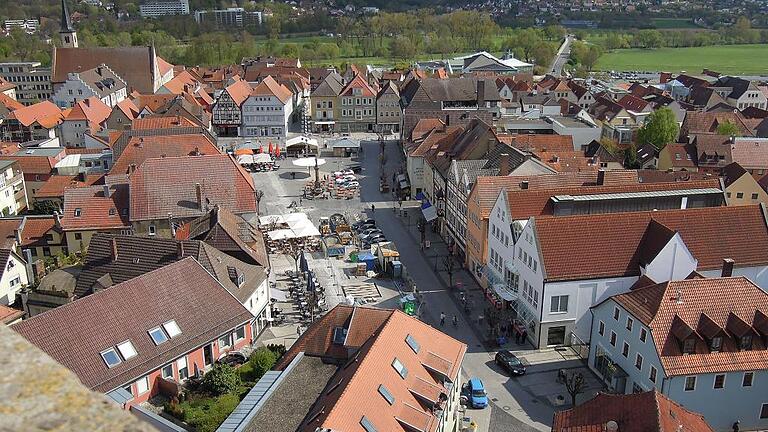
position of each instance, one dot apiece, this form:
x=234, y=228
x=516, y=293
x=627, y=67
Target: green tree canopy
x=728, y=129
x=660, y=129
x=221, y=379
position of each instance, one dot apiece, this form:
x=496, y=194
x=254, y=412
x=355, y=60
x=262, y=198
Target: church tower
x=67, y=33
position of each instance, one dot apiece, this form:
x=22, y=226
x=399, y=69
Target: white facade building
x=267, y=111
x=156, y=8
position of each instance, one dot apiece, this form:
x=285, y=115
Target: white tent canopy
x=302, y=141
x=309, y=162
x=299, y=225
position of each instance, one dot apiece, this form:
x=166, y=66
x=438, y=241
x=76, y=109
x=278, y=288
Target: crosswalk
x=362, y=291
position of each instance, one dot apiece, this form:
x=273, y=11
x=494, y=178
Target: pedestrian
x=298, y=330
x=517, y=337
x=736, y=426
x=524, y=336
x=300, y=201
x=442, y=319
x=455, y=321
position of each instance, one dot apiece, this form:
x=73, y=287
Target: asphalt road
x=561, y=58
x=516, y=409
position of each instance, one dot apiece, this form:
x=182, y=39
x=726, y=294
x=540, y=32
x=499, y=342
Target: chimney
x=17, y=234
x=81, y=176
x=57, y=217
x=733, y=139
x=447, y=120
x=600, y=177
x=199, y=196
x=98, y=71
x=727, y=267
x=107, y=191
x=114, y=249
x=524, y=184
x=480, y=92
x=180, y=249
x=131, y=168
x=555, y=159
x=504, y=166
x=197, y=151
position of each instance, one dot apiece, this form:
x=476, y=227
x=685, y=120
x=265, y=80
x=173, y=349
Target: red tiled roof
x=75, y=334
x=167, y=186
x=44, y=111
x=633, y=103
x=608, y=244
x=650, y=411
x=269, y=87
x=161, y=122
x=10, y=103
x=8, y=227
x=163, y=65
x=153, y=102
x=8, y=314
x=542, y=142
x=128, y=108
x=425, y=125
x=567, y=161
x=526, y=203
x=239, y=91
x=29, y=164
x=142, y=148
x=750, y=153
x=96, y=210
x=92, y=110
x=718, y=300
x=35, y=229
x=687, y=153
x=358, y=82
x=55, y=185
x=181, y=83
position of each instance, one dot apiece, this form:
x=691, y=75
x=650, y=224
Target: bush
x=221, y=379
x=173, y=408
x=278, y=349
x=206, y=415
x=262, y=360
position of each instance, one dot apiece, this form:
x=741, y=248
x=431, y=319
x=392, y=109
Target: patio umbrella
x=277, y=151
x=310, y=282
x=243, y=151
x=270, y=147
x=303, y=266
x=261, y=148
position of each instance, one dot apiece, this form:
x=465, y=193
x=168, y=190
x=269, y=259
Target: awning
x=278, y=295
x=504, y=292
x=429, y=212
x=325, y=122
x=420, y=196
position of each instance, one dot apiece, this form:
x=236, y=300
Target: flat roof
x=6, y=163
x=40, y=151
x=631, y=195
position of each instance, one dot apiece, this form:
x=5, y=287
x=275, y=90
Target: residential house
x=155, y=334
x=52, y=190
x=267, y=110
x=94, y=209
x=357, y=106
x=13, y=273
x=741, y=188
x=100, y=82
x=13, y=193
x=701, y=342
x=113, y=259
x=33, y=122
x=388, y=110
x=325, y=109
x=87, y=117
x=427, y=135
x=372, y=369
x=122, y=115
x=706, y=123
x=41, y=236
x=617, y=123
x=513, y=208
x=648, y=411
x=36, y=165
x=584, y=97
x=557, y=288
x=167, y=192
x=678, y=157
x=743, y=93
x=705, y=98
x=455, y=101
x=227, y=111
x=141, y=148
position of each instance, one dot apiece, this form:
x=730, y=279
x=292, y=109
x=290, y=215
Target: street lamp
x=259, y=196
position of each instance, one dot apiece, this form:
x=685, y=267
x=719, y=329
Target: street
x=561, y=58
x=514, y=406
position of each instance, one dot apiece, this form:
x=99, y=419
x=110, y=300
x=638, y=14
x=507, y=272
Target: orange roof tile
x=716, y=299
x=239, y=91
x=140, y=149
x=37, y=112
x=270, y=87
x=35, y=229
x=9, y=314
x=87, y=208
x=10, y=103
x=161, y=122
x=92, y=110
x=55, y=185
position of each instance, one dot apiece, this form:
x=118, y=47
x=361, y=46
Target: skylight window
x=110, y=357
x=400, y=368
x=172, y=328
x=387, y=395
x=411, y=341
x=158, y=335
x=367, y=425
x=126, y=350
x=78, y=212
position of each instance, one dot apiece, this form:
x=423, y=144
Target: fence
x=580, y=347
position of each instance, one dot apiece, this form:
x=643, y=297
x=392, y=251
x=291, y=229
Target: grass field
x=732, y=59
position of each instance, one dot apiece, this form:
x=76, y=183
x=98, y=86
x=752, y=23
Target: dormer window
x=745, y=343
x=78, y=212
x=689, y=346
x=716, y=343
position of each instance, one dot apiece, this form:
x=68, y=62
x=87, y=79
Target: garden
x=206, y=404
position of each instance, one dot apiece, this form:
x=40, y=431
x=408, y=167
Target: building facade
x=156, y=8
x=33, y=82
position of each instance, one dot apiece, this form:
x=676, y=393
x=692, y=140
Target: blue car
x=477, y=396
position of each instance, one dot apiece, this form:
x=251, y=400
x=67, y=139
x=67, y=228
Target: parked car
x=348, y=172
x=475, y=392
x=510, y=362
x=356, y=168
x=350, y=177
x=351, y=185
x=233, y=358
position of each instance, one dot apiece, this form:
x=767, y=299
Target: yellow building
x=741, y=188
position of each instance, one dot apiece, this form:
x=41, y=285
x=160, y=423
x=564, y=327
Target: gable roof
x=239, y=91
x=615, y=239
x=92, y=110
x=164, y=186
x=45, y=113
x=141, y=148
x=750, y=153
x=664, y=306
x=330, y=86
x=269, y=87
x=56, y=184
x=697, y=122
x=75, y=334
x=9, y=103
x=358, y=82
x=649, y=411
x=731, y=173
x=103, y=80
x=96, y=211
x=159, y=121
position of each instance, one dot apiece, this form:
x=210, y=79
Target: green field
x=732, y=59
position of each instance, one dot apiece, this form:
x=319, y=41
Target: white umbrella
x=309, y=162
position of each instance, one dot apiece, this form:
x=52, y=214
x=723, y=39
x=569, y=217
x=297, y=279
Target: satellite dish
x=612, y=426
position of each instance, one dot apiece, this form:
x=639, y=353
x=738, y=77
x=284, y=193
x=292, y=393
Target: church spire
x=67, y=33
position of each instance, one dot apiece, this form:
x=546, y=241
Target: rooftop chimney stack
x=600, y=177
x=524, y=184
x=504, y=165
x=131, y=168
x=107, y=192
x=199, y=196
x=727, y=267
x=180, y=249
x=114, y=249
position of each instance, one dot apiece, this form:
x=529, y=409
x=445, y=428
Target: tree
x=575, y=384
x=262, y=360
x=591, y=56
x=222, y=379
x=402, y=48
x=554, y=32
x=616, y=40
x=649, y=39
x=659, y=129
x=729, y=129
x=543, y=53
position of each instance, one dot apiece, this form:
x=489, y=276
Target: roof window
x=411, y=341
x=387, y=395
x=172, y=328
x=110, y=357
x=78, y=212
x=400, y=368
x=367, y=425
x=127, y=350
x=158, y=335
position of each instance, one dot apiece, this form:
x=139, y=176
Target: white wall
x=13, y=279
x=415, y=167
x=673, y=262
x=73, y=133
x=268, y=112
x=70, y=91
x=757, y=274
